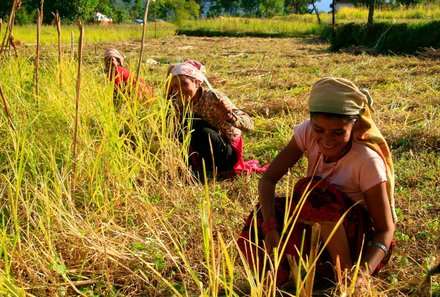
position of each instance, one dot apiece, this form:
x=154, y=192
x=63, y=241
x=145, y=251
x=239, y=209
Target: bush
x=24, y=17
x=385, y=37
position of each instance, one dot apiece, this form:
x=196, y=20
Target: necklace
x=326, y=173
x=344, y=151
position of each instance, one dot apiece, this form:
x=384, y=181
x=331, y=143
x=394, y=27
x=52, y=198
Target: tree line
x=122, y=11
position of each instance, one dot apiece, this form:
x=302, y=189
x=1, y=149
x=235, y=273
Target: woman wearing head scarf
x=216, y=123
x=124, y=82
x=349, y=170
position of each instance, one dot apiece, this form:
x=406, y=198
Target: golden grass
x=141, y=225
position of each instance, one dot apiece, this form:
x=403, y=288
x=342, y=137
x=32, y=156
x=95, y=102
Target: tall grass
x=295, y=25
x=141, y=224
x=292, y=25
x=419, y=12
x=252, y=27
x=97, y=33
x=130, y=225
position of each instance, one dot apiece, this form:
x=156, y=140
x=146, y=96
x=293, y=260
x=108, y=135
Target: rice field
x=135, y=223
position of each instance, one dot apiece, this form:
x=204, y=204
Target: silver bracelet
x=379, y=245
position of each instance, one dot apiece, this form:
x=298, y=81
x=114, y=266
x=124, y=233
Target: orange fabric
x=367, y=133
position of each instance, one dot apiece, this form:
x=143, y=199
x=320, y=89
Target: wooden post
x=142, y=43
x=8, y=32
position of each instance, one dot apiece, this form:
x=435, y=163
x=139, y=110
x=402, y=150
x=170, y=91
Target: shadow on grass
x=214, y=33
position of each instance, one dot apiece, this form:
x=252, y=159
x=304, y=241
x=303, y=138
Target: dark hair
x=348, y=118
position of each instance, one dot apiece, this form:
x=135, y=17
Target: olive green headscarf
x=340, y=96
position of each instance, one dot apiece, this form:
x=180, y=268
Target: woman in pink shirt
x=349, y=170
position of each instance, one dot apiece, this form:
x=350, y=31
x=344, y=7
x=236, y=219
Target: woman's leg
x=210, y=146
x=338, y=244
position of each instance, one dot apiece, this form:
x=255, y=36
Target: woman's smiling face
x=332, y=134
x=184, y=87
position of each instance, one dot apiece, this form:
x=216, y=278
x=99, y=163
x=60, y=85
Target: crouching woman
x=216, y=123
x=349, y=169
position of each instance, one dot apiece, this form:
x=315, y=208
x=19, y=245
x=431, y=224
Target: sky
x=323, y=5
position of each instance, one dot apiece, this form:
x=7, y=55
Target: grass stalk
x=72, y=45
x=139, y=211
x=76, y=123
x=58, y=25
x=37, y=53
x=316, y=231
x=6, y=107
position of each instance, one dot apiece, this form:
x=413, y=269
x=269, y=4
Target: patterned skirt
x=324, y=203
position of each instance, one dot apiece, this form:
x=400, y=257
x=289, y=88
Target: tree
x=410, y=2
x=176, y=10
x=224, y=7
x=316, y=11
x=68, y=10
x=203, y=4
x=86, y=9
x=251, y=7
x=371, y=13
x=270, y=8
x=296, y=6
x=138, y=8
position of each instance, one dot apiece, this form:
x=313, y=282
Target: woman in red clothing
x=124, y=81
x=216, y=123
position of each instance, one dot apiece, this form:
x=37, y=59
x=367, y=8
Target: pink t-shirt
x=357, y=171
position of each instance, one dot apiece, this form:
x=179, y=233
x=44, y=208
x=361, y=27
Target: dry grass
x=138, y=222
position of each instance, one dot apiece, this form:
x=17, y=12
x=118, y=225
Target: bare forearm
x=375, y=254
x=266, y=191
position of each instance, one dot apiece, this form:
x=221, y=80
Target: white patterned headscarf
x=193, y=69
x=114, y=53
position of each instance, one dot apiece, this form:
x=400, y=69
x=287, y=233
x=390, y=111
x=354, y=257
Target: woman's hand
x=271, y=240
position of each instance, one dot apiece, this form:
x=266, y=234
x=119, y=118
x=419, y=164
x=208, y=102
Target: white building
x=102, y=19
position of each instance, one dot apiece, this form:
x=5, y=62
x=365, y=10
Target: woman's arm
x=266, y=188
x=230, y=114
x=242, y=120
x=380, y=212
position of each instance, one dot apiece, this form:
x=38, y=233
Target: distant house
x=343, y=3
x=102, y=19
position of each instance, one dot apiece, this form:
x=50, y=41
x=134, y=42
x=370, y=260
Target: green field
x=135, y=223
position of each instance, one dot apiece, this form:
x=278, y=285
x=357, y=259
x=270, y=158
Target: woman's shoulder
x=303, y=136
x=213, y=93
x=216, y=98
x=364, y=152
x=303, y=128
x=365, y=158
x=123, y=71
